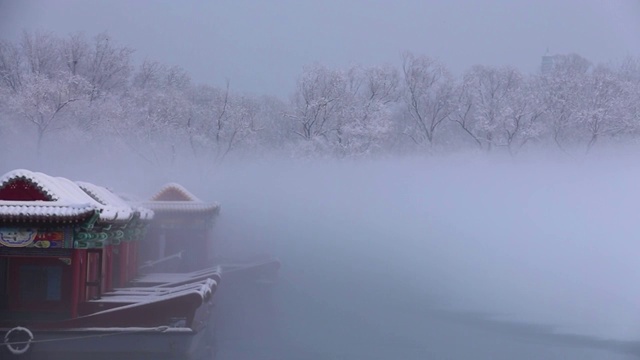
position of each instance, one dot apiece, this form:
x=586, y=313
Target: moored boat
x=181, y=245
x=69, y=280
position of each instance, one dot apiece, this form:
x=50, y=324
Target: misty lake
x=435, y=259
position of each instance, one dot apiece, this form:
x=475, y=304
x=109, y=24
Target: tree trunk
x=41, y=132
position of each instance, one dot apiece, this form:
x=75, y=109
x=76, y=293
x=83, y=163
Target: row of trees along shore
x=82, y=90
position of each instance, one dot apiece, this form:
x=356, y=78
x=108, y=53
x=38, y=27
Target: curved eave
x=117, y=218
x=110, y=216
x=113, y=221
x=45, y=219
x=144, y=214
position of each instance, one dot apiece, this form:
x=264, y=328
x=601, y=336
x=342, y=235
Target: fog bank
x=541, y=242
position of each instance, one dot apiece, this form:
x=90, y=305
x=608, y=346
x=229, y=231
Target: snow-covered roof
x=108, y=213
x=175, y=198
x=176, y=279
x=109, y=200
x=60, y=199
x=64, y=201
x=129, y=198
x=203, y=290
x=174, y=192
x=136, y=203
x=175, y=206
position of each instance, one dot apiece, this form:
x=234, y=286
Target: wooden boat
x=71, y=284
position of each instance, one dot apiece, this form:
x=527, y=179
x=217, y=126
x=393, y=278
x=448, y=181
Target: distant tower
x=547, y=63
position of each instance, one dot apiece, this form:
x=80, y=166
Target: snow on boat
x=180, y=215
x=70, y=284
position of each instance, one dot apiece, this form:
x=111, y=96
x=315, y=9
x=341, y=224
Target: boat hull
x=117, y=343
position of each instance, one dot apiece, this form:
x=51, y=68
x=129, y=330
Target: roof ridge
x=189, y=196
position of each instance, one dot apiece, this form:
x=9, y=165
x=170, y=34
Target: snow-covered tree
x=603, y=107
x=108, y=66
x=366, y=118
x=522, y=118
x=344, y=113
x=89, y=88
x=43, y=101
x=11, y=64
x=156, y=118
x=317, y=102
x=561, y=92
x=221, y=122
x=493, y=90
x=429, y=94
x=42, y=54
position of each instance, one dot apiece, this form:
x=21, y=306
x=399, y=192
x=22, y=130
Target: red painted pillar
x=82, y=286
x=133, y=260
x=129, y=261
x=107, y=284
x=124, y=263
x=76, y=281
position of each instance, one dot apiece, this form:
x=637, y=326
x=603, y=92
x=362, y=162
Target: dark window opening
x=37, y=286
x=40, y=284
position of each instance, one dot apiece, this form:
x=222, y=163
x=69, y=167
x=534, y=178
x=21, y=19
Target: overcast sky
x=261, y=46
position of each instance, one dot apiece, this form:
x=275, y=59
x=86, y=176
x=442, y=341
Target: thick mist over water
x=542, y=242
